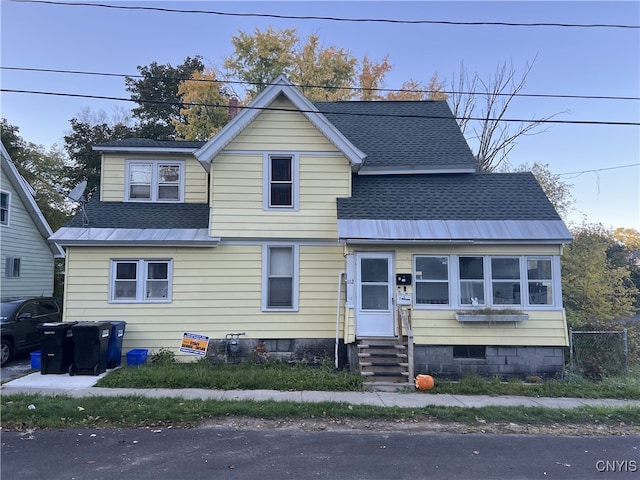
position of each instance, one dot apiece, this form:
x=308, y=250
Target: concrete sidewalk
x=83, y=386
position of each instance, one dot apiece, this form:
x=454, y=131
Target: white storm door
x=374, y=313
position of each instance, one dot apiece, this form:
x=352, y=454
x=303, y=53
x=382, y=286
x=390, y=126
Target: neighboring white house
x=27, y=262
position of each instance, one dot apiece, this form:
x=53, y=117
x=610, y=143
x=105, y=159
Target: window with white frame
x=155, y=181
x=540, y=280
x=505, y=281
x=432, y=280
x=280, y=278
x=281, y=181
x=5, y=204
x=486, y=281
x=471, y=274
x=141, y=280
x=12, y=267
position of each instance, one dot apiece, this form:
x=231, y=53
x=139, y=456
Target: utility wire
x=598, y=169
x=195, y=104
x=206, y=80
x=335, y=19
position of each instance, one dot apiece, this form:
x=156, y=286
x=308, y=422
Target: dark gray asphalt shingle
x=143, y=215
x=493, y=196
x=149, y=143
x=422, y=134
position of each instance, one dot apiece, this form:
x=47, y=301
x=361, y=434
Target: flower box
x=491, y=317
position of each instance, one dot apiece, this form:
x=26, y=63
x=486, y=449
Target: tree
x=492, y=139
x=85, y=162
x=412, y=90
x=558, y=191
x=596, y=287
x=260, y=57
x=322, y=73
x=158, y=98
x=201, y=121
x=629, y=237
x=43, y=170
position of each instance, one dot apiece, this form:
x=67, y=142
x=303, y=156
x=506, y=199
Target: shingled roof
x=413, y=135
x=481, y=196
x=140, y=215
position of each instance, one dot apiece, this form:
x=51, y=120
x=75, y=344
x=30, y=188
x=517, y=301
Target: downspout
x=340, y=276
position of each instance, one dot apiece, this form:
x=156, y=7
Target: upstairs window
x=5, y=202
x=281, y=184
x=155, y=181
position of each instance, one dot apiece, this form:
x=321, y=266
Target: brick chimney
x=233, y=107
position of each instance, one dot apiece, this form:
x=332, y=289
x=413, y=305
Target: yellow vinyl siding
x=278, y=130
x=113, y=176
x=214, y=292
x=440, y=327
x=237, y=198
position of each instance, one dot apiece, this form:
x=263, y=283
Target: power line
x=598, y=169
x=194, y=104
x=206, y=80
x=335, y=19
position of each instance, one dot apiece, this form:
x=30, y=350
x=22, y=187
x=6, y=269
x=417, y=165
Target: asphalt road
x=17, y=367
x=227, y=453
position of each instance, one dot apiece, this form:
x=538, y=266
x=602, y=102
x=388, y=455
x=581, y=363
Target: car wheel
x=6, y=351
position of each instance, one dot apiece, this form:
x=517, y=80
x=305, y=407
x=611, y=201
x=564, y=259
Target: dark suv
x=19, y=321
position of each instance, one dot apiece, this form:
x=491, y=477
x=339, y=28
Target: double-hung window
x=432, y=280
x=540, y=280
x=505, y=280
x=280, y=277
x=281, y=186
x=141, y=280
x=471, y=270
x=5, y=203
x=155, y=181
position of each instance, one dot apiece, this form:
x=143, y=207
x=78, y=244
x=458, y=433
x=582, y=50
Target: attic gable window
x=281, y=181
x=155, y=181
x=5, y=202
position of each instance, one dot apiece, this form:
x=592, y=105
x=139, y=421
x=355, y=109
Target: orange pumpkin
x=424, y=382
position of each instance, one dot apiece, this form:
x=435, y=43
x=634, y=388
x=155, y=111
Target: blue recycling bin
x=114, y=357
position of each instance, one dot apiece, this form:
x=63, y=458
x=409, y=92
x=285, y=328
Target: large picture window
x=155, y=181
x=141, y=280
x=281, y=181
x=280, y=277
x=432, y=280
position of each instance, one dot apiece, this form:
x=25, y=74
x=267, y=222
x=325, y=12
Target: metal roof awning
x=195, y=237
x=454, y=231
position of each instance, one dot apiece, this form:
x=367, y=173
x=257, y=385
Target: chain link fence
x=599, y=354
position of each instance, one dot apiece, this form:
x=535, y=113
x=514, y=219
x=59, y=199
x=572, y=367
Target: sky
x=600, y=161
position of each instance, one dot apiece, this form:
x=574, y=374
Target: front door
x=374, y=313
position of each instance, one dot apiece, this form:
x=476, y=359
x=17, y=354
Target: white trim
x=155, y=163
x=295, y=182
x=8, y=221
x=302, y=153
x=295, y=287
x=141, y=280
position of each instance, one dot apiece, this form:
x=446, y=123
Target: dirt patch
x=415, y=426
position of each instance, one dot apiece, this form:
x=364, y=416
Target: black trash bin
x=114, y=358
x=90, y=348
x=56, y=351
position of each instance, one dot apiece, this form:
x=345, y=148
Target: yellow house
x=324, y=229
